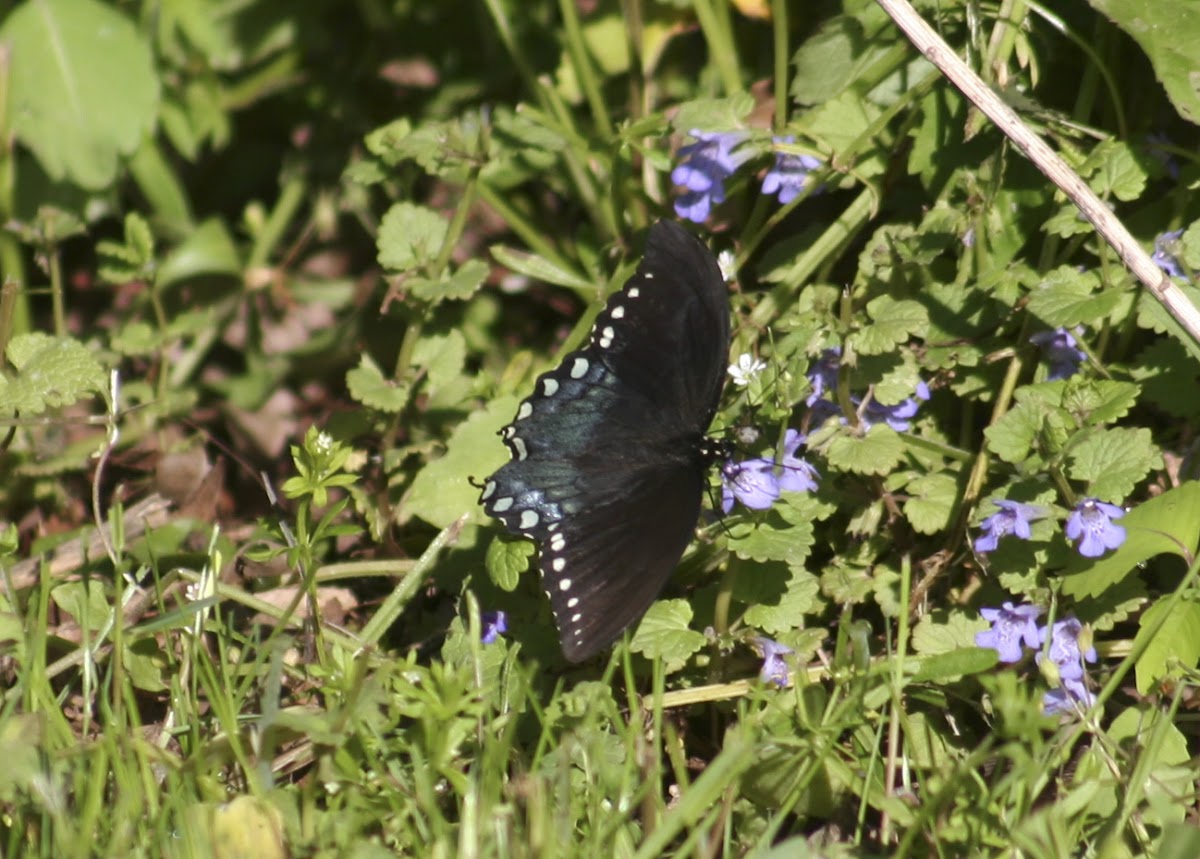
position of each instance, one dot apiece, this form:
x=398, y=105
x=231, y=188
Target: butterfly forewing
x=608, y=457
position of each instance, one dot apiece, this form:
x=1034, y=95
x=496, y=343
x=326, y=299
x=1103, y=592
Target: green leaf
x=784, y=613
x=1169, y=33
x=506, y=560
x=1098, y=401
x=441, y=491
x=893, y=322
x=1012, y=437
x=1114, y=460
x=827, y=60
x=664, y=634
x=367, y=385
x=931, y=502
x=1113, y=170
x=1066, y=297
x=1169, y=378
x=877, y=452
x=82, y=88
x=783, y=533
x=410, y=236
x=1151, y=314
x=442, y=356
x=1167, y=524
x=51, y=372
x=713, y=114
x=939, y=632
x=86, y=602
x=1175, y=648
x=208, y=250
x=540, y=269
x=460, y=285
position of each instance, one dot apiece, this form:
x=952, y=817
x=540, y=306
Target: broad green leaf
x=506, y=560
x=442, y=356
x=892, y=322
x=366, y=384
x=713, y=114
x=1175, y=648
x=1167, y=524
x=442, y=491
x=1098, y=401
x=82, y=88
x=51, y=372
x=209, y=250
x=86, y=602
x=460, y=285
x=1169, y=378
x=942, y=633
x=800, y=596
x=1169, y=33
x=1113, y=169
x=1112, y=461
x=877, y=452
x=930, y=502
x=410, y=236
x=664, y=634
x=1067, y=297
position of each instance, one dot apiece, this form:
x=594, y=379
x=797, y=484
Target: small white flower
x=746, y=368
x=727, y=262
x=324, y=443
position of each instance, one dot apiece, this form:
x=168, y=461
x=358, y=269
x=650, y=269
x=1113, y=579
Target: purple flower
x=1091, y=524
x=796, y=475
x=1013, y=518
x=1068, y=657
x=824, y=374
x=1165, y=248
x=790, y=173
x=757, y=483
x=492, y=625
x=1065, y=697
x=1060, y=349
x=896, y=416
x=752, y=482
x=1011, y=625
x=774, y=668
x=702, y=170
x=1064, y=650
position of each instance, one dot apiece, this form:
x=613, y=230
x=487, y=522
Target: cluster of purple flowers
x=1015, y=628
x=1061, y=351
x=705, y=164
x=823, y=377
x=1090, y=525
x=758, y=482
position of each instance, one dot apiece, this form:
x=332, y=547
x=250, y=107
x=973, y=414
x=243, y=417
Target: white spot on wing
x=579, y=368
x=549, y=387
x=634, y=292
x=572, y=602
x=575, y=618
x=606, y=337
x=618, y=312
x=649, y=275
x=557, y=541
x=525, y=411
x=564, y=584
x=529, y=518
x=502, y=504
x=519, y=448
x=558, y=564
x=488, y=489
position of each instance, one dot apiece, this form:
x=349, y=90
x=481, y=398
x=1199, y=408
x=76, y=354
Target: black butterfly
x=609, y=456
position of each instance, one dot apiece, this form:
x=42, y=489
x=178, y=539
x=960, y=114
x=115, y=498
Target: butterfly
x=609, y=454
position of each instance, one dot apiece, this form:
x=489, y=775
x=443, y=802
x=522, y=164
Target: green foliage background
x=276, y=273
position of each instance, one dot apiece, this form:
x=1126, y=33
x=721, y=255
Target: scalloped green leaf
x=506, y=559
x=930, y=502
x=664, y=634
x=410, y=236
x=51, y=372
x=367, y=385
x=1067, y=297
x=892, y=322
x=1114, y=460
x=460, y=285
x=945, y=633
x=877, y=452
x=800, y=596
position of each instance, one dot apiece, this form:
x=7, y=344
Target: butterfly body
x=609, y=456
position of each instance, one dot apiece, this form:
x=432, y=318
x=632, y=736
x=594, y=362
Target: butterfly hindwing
x=608, y=459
